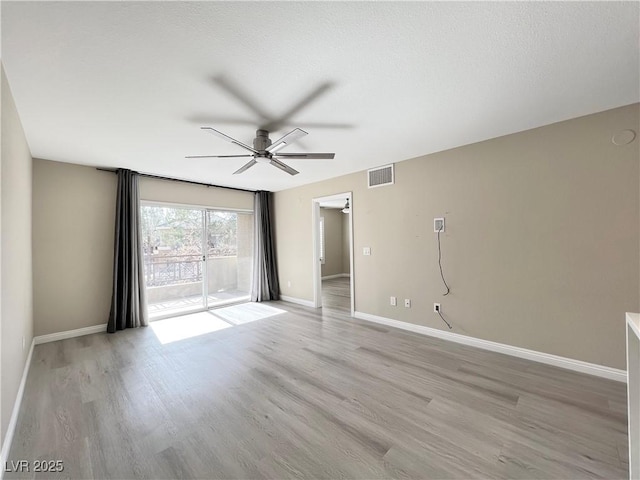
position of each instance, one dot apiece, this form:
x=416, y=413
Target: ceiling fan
x=264, y=151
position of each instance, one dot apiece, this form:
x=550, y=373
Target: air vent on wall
x=381, y=176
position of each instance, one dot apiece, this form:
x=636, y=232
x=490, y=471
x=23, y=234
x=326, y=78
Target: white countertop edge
x=633, y=320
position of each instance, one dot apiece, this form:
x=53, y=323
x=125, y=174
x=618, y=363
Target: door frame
x=315, y=232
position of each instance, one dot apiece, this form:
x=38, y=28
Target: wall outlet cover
x=438, y=224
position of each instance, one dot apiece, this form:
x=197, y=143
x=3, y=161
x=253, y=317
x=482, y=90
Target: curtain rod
x=159, y=177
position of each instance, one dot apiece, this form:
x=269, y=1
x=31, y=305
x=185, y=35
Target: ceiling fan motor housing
x=262, y=141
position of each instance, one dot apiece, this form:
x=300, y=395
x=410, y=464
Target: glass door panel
x=173, y=259
x=229, y=256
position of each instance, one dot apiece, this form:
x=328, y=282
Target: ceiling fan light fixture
x=277, y=146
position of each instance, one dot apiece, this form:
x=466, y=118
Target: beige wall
x=73, y=231
x=73, y=228
x=333, y=237
x=152, y=189
x=16, y=311
x=525, y=251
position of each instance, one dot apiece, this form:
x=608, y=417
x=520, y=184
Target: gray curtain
x=264, y=285
x=128, y=303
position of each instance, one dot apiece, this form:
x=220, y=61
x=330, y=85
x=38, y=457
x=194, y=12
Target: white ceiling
x=124, y=84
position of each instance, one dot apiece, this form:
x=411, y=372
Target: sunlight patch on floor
x=246, y=312
x=186, y=326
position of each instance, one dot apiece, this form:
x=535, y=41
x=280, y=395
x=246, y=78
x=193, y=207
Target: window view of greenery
x=176, y=231
x=223, y=234
x=172, y=243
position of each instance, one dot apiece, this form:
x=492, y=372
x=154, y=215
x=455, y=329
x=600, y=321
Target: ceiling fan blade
x=246, y=166
x=319, y=125
x=202, y=119
x=283, y=167
x=217, y=156
x=276, y=124
x=303, y=102
x=242, y=97
x=215, y=132
x=290, y=137
x=308, y=156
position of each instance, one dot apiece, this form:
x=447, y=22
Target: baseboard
x=13, y=421
x=299, y=301
x=541, y=357
x=78, y=332
x=337, y=275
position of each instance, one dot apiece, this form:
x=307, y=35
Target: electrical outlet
x=366, y=250
x=436, y=307
x=407, y=303
x=393, y=301
x=438, y=224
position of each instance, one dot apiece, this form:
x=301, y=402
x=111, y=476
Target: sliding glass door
x=195, y=258
x=229, y=256
x=173, y=259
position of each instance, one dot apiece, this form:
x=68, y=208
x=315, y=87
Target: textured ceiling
x=126, y=84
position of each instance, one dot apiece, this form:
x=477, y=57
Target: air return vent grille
x=381, y=176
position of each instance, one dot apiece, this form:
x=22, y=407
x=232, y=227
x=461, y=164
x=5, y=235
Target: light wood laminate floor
x=304, y=393
x=336, y=294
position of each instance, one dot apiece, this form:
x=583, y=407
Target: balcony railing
x=162, y=270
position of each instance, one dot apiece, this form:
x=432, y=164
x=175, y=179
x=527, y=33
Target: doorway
x=333, y=273
x=195, y=258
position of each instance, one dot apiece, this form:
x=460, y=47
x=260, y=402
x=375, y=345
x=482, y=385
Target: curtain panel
x=128, y=302
x=264, y=285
